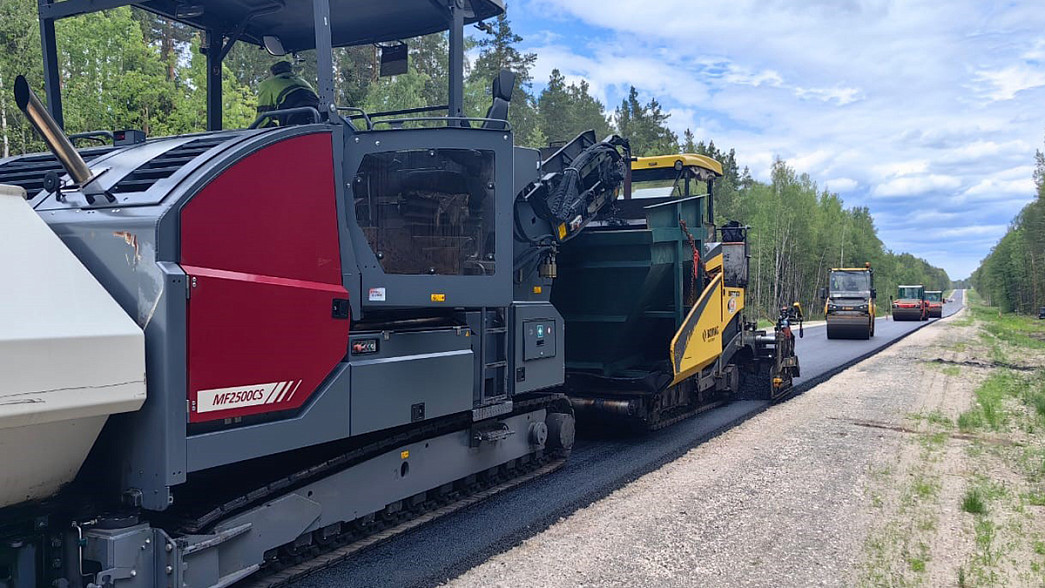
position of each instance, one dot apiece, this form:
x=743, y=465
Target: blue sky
x=927, y=112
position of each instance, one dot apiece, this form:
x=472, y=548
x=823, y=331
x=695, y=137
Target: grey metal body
x=144, y=556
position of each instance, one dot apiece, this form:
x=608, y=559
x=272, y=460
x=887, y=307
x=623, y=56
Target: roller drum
x=848, y=329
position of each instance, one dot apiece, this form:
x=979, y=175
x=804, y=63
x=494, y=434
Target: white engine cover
x=69, y=356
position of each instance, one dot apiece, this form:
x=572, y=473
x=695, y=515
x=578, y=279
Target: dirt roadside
x=858, y=481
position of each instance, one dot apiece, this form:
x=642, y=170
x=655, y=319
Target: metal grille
x=28, y=172
x=164, y=166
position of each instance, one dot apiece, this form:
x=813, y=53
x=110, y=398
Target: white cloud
x=741, y=75
x=1002, y=188
x=841, y=185
x=808, y=162
x=915, y=185
x=1006, y=83
x=971, y=231
x=901, y=168
x=840, y=96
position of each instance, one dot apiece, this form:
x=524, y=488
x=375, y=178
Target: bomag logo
x=710, y=334
x=239, y=396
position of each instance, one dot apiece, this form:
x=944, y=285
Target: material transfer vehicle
x=653, y=298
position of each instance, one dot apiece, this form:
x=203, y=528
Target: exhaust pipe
x=52, y=134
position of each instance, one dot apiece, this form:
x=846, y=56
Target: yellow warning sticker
x=404, y=454
x=537, y=289
x=562, y=231
x=438, y=297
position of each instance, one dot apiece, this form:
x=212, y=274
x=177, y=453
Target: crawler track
x=292, y=567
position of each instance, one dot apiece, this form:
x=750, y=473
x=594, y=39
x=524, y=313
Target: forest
x=127, y=68
x=1012, y=276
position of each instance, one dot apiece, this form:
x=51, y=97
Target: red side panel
x=260, y=245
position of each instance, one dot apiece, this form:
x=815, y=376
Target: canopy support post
x=52, y=83
x=456, y=91
x=324, y=59
x=214, y=98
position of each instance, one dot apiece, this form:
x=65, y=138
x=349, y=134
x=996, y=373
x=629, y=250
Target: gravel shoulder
x=791, y=497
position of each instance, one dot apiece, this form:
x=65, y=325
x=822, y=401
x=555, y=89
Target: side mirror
x=394, y=60
x=823, y=293
x=874, y=294
x=504, y=85
x=274, y=46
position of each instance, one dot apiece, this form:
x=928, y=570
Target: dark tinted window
x=428, y=211
x=856, y=282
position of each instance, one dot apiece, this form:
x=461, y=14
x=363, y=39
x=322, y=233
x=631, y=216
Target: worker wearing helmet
x=283, y=90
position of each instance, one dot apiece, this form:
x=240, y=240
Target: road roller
x=850, y=303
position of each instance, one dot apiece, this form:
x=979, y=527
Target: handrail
x=410, y=110
x=362, y=114
x=397, y=123
x=284, y=112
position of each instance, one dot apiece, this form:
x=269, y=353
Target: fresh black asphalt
x=447, y=547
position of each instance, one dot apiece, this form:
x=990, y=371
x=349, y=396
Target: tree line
x=127, y=68
x=1012, y=276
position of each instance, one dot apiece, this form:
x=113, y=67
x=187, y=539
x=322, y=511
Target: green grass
x=926, y=488
x=1013, y=329
x=986, y=533
x=933, y=418
x=970, y=421
x=974, y=502
x=1033, y=395
x=989, y=412
x=1035, y=499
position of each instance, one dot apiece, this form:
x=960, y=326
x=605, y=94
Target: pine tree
x=688, y=146
x=644, y=126
x=566, y=111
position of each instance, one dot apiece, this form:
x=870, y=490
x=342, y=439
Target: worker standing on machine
x=284, y=90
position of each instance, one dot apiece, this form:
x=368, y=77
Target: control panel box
x=537, y=338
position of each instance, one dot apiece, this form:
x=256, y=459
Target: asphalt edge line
x=543, y=523
x=538, y=526
x=828, y=374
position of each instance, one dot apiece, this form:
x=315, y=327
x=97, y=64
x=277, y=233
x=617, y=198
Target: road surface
x=451, y=545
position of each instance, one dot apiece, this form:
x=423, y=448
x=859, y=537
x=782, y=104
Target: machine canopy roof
x=353, y=22
x=668, y=162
